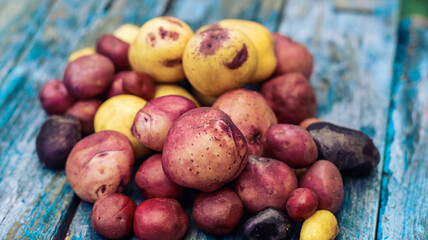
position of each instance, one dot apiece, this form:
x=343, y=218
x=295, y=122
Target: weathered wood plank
x=404, y=200
x=353, y=53
x=19, y=22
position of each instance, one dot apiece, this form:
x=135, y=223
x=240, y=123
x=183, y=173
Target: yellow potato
x=263, y=41
x=118, y=113
x=173, y=89
x=218, y=60
x=127, y=32
x=203, y=99
x=322, y=225
x=158, y=49
x=80, y=53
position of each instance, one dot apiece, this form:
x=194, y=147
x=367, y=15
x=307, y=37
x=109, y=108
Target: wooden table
x=371, y=74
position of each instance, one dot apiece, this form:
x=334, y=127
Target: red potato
x=204, y=150
x=153, y=121
x=113, y=215
x=302, y=204
x=138, y=84
x=160, y=219
x=116, y=87
x=324, y=179
x=54, y=98
x=291, y=144
x=251, y=114
x=99, y=164
x=265, y=182
x=218, y=212
x=89, y=76
x=292, y=57
x=152, y=181
x=115, y=49
x=85, y=110
x=307, y=122
x=291, y=97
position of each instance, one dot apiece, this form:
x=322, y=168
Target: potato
x=85, y=110
x=220, y=57
x=127, y=32
x=55, y=140
x=292, y=57
x=268, y=224
x=153, y=121
x=251, y=114
x=352, y=151
x=138, y=84
x=100, y=164
x=307, y=122
x=203, y=99
x=152, y=181
x=160, y=218
x=204, y=150
x=322, y=225
x=291, y=97
x=54, y=98
x=324, y=179
x=218, y=212
x=89, y=76
x=80, y=53
x=115, y=49
x=173, y=89
x=302, y=204
x=265, y=182
x=116, y=87
x=291, y=144
x=113, y=215
x=158, y=49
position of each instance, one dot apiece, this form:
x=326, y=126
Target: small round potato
x=160, y=219
x=80, y=53
x=302, y=204
x=268, y=224
x=100, y=164
x=113, y=215
x=174, y=89
x=85, y=110
x=127, y=32
x=116, y=50
x=138, y=84
x=54, y=97
x=322, y=225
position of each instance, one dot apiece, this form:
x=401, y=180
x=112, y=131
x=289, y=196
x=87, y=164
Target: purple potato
x=268, y=224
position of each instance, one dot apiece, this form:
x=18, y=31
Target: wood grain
x=353, y=54
x=404, y=200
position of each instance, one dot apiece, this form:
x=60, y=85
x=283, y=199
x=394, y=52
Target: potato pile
x=263, y=152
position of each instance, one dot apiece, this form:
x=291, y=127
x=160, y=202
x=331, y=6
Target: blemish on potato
x=172, y=62
x=168, y=34
x=239, y=59
x=213, y=40
x=102, y=188
x=151, y=39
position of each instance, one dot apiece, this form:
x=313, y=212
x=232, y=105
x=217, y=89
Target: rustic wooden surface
x=357, y=83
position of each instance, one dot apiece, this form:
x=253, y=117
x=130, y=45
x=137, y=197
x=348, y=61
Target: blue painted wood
x=354, y=52
x=404, y=205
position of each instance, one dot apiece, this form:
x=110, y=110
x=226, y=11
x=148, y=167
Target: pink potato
x=115, y=49
x=160, y=219
x=89, y=76
x=116, y=87
x=291, y=97
x=308, y=121
x=204, y=150
x=324, y=179
x=152, y=181
x=99, y=164
x=113, y=215
x=54, y=98
x=265, y=182
x=153, y=121
x=302, y=204
x=292, y=57
x=138, y=84
x=291, y=144
x=251, y=114
x=85, y=110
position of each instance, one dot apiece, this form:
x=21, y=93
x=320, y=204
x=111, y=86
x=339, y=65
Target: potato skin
x=116, y=50
x=291, y=144
x=324, y=179
x=322, y=225
x=153, y=121
x=138, y=84
x=152, y=181
x=100, y=164
x=54, y=98
x=112, y=215
x=268, y=224
x=89, y=76
x=85, y=110
x=217, y=212
x=116, y=87
x=204, y=150
x=307, y=122
x=56, y=139
x=251, y=114
x=302, y=204
x=352, y=151
x=265, y=182
x=291, y=97
x=160, y=219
